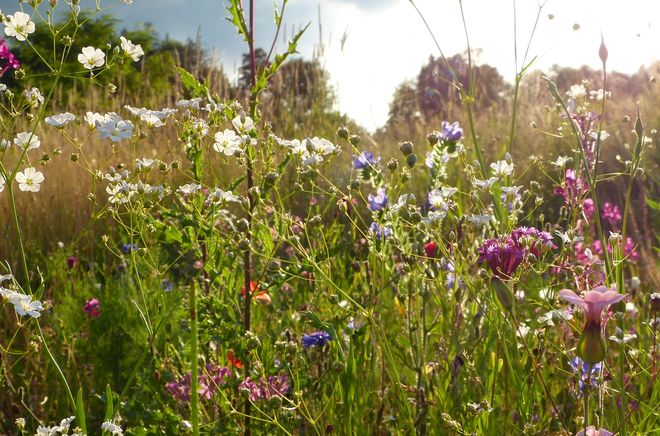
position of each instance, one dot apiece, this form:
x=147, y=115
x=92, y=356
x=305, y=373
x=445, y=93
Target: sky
x=371, y=46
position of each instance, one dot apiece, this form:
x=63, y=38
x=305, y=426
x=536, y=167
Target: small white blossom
x=501, y=168
x=484, y=184
x=479, y=220
x=562, y=161
x=91, y=57
x=19, y=26
x=219, y=196
x=114, y=127
x=112, y=428
x=189, y=188
x=27, y=140
x=243, y=125
x=29, y=179
x=24, y=306
x=145, y=164
x=60, y=120
x=511, y=191
x=227, y=142
x=577, y=91
x=91, y=118
x=34, y=97
x=131, y=50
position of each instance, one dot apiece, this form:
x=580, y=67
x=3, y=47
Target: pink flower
x=591, y=431
x=591, y=347
x=594, y=301
x=93, y=308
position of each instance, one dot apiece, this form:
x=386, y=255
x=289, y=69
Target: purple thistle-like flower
x=572, y=189
x=366, y=159
x=378, y=201
x=317, y=339
x=208, y=383
x=588, y=207
x=93, y=308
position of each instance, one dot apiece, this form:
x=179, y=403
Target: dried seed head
x=602, y=51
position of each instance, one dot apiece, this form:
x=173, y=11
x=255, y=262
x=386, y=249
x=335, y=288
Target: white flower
x=4, y=144
x=60, y=120
x=92, y=118
x=131, y=50
x=598, y=95
x=479, y=220
x=23, y=305
x=577, y=91
x=152, y=119
x=484, y=184
x=112, y=428
x=43, y=431
x=193, y=103
x=34, y=97
x=91, y=57
x=120, y=193
x=2, y=183
x=27, y=140
x=219, y=196
x=145, y=163
x=18, y=25
x=189, y=188
x=603, y=135
x=227, y=142
x=29, y=180
x=562, y=161
x=3, y=87
x=501, y=168
x=63, y=428
x=511, y=191
x=433, y=216
x=243, y=125
x=321, y=145
x=114, y=127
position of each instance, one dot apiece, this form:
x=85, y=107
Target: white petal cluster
x=34, y=97
x=131, y=50
x=18, y=26
x=91, y=58
x=60, y=120
x=23, y=304
x=29, y=180
x=311, y=151
x=27, y=140
x=111, y=126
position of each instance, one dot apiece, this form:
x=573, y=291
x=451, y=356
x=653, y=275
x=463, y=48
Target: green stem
x=194, y=396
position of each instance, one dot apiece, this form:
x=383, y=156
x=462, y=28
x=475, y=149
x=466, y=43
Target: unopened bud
x=354, y=139
x=342, y=132
x=392, y=164
x=355, y=184
x=432, y=138
x=411, y=159
x=602, y=51
x=406, y=148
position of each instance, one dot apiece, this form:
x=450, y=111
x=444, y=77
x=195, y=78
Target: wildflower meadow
x=184, y=255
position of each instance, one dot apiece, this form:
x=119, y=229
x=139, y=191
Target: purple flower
x=366, y=159
x=8, y=56
x=611, y=213
x=572, y=189
x=317, y=339
x=451, y=133
x=588, y=207
x=93, y=308
x=378, y=201
x=208, y=383
x=265, y=389
x=127, y=248
x=384, y=231
x=585, y=372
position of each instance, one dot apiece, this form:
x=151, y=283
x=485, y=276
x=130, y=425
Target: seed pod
x=354, y=140
x=342, y=132
x=411, y=160
x=406, y=148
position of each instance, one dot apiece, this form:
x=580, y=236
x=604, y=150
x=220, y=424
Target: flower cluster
x=506, y=253
x=23, y=304
x=208, y=382
x=8, y=57
x=92, y=308
x=273, y=386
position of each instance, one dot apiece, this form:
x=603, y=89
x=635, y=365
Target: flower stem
x=194, y=396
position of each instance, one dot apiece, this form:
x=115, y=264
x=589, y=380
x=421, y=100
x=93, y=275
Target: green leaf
x=80, y=411
x=109, y=408
x=191, y=83
x=238, y=19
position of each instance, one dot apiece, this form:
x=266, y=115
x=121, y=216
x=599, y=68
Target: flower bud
x=354, y=140
x=411, y=160
x=655, y=302
x=602, y=51
x=392, y=164
x=355, y=184
x=406, y=148
x=242, y=225
x=342, y=132
x=591, y=346
x=432, y=138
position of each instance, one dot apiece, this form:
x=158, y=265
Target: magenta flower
x=93, y=308
x=611, y=213
x=591, y=346
x=572, y=189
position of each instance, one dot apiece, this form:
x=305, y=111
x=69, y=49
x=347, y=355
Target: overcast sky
x=385, y=42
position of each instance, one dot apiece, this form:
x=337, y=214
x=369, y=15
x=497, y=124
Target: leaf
x=109, y=408
x=80, y=411
x=238, y=19
x=191, y=83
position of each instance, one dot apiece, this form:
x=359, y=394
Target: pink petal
x=573, y=298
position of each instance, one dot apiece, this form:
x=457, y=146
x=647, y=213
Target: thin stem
x=194, y=396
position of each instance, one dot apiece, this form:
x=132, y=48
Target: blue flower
x=317, y=339
x=365, y=160
x=378, y=201
x=127, y=248
x=379, y=231
x=585, y=372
